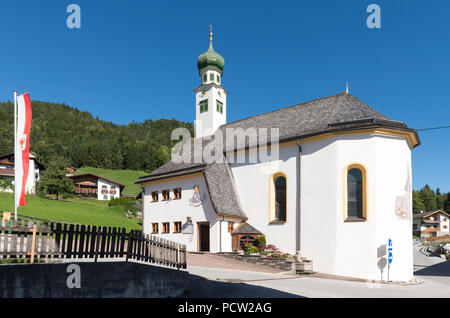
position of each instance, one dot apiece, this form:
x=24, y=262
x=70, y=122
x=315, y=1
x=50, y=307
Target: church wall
x=354, y=248
x=252, y=184
x=178, y=210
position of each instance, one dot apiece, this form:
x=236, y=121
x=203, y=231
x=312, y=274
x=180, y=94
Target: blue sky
x=135, y=60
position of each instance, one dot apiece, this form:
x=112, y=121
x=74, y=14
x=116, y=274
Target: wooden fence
x=28, y=239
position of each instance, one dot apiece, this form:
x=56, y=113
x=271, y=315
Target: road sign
x=390, y=256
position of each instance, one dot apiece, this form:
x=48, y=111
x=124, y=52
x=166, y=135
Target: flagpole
x=15, y=153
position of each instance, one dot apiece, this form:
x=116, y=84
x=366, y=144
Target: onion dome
x=210, y=58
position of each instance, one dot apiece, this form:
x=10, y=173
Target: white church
x=338, y=192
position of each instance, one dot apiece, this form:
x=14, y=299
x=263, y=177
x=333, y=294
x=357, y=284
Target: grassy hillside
x=126, y=177
x=81, y=211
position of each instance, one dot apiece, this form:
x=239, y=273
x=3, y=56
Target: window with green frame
x=204, y=78
x=218, y=79
x=211, y=77
x=203, y=106
x=219, y=106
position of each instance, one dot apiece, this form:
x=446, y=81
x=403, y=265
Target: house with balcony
x=431, y=224
x=95, y=186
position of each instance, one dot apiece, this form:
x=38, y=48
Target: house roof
x=10, y=157
x=245, y=228
x=6, y=172
x=429, y=213
x=121, y=186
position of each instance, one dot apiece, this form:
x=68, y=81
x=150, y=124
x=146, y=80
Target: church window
x=177, y=227
x=218, y=79
x=278, y=198
x=355, y=193
x=166, y=195
x=177, y=193
x=203, y=106
x=219, y=106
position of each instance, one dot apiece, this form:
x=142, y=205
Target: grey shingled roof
x=222, y=190
x=426, y=214
x=329, y=114
x=246, y=228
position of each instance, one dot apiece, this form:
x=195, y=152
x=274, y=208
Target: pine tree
x=446, y=205
x=428, y=198
x=417, y=202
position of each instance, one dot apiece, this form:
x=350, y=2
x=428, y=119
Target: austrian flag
x=22, y=151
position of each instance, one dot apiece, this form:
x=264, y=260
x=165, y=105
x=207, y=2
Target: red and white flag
x=22, y=151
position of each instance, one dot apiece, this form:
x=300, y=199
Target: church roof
x=341, y=112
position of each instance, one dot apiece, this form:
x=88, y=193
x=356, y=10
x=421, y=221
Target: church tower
x=210, y=96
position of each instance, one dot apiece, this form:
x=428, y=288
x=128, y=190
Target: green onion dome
x=210, y=58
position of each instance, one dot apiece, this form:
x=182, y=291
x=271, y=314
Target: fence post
x=33, y=243
x=97, y=244
x=129, y=245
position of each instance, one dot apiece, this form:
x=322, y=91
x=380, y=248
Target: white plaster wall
x=351, y=248
x=252, y=184
x=177, y=211
x=31, y=179
x=208, y=122
x=444, y=223
x=108, y=184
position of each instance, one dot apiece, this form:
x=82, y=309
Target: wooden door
x=204, y=237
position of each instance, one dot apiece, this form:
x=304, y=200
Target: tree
x=446, y=205
x=417, y=202
x=54, y=180
x=428, y=198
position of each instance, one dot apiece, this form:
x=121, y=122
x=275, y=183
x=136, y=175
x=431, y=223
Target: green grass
x=80, y=211
x=126, y=177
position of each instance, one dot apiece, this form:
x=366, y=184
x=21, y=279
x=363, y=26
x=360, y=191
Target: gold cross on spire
x=210, y=32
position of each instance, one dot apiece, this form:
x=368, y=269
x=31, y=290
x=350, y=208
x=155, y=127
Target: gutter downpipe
x=298, y=196
x=220, y=234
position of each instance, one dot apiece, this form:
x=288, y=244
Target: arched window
x=278, y=198
x=355, y=193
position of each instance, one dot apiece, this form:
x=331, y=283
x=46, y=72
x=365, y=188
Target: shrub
x=262, y=240
x=122, y=201
x=249, y=248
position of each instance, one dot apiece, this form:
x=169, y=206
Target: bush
x=262, y=240
x=249, y=248
x=122, y=201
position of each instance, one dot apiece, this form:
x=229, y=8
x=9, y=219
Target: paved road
x=237, y=283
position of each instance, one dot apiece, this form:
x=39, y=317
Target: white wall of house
x=351, y=248
x=32, y=179
x=109, y=185
x=178, y=210
x=445, y=223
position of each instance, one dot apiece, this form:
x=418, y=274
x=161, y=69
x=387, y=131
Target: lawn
x=80, y=211
x=126, y=177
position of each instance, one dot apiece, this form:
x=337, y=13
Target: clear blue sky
x=135, y=60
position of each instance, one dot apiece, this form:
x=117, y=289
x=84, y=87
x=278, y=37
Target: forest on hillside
x=63, y=133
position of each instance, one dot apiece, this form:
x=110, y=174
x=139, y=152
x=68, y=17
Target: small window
x=205, y=78
x=177, y=227
x=155, y=196
x=166, y=195
x=203, y=106
x=166, y=227
x=219, y=106
x=177, y=193
x=230, y=227
x=218, y=79
x=211, y=77
x=155, y=229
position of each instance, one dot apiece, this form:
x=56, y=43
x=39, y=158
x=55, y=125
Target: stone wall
x=103, y=279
